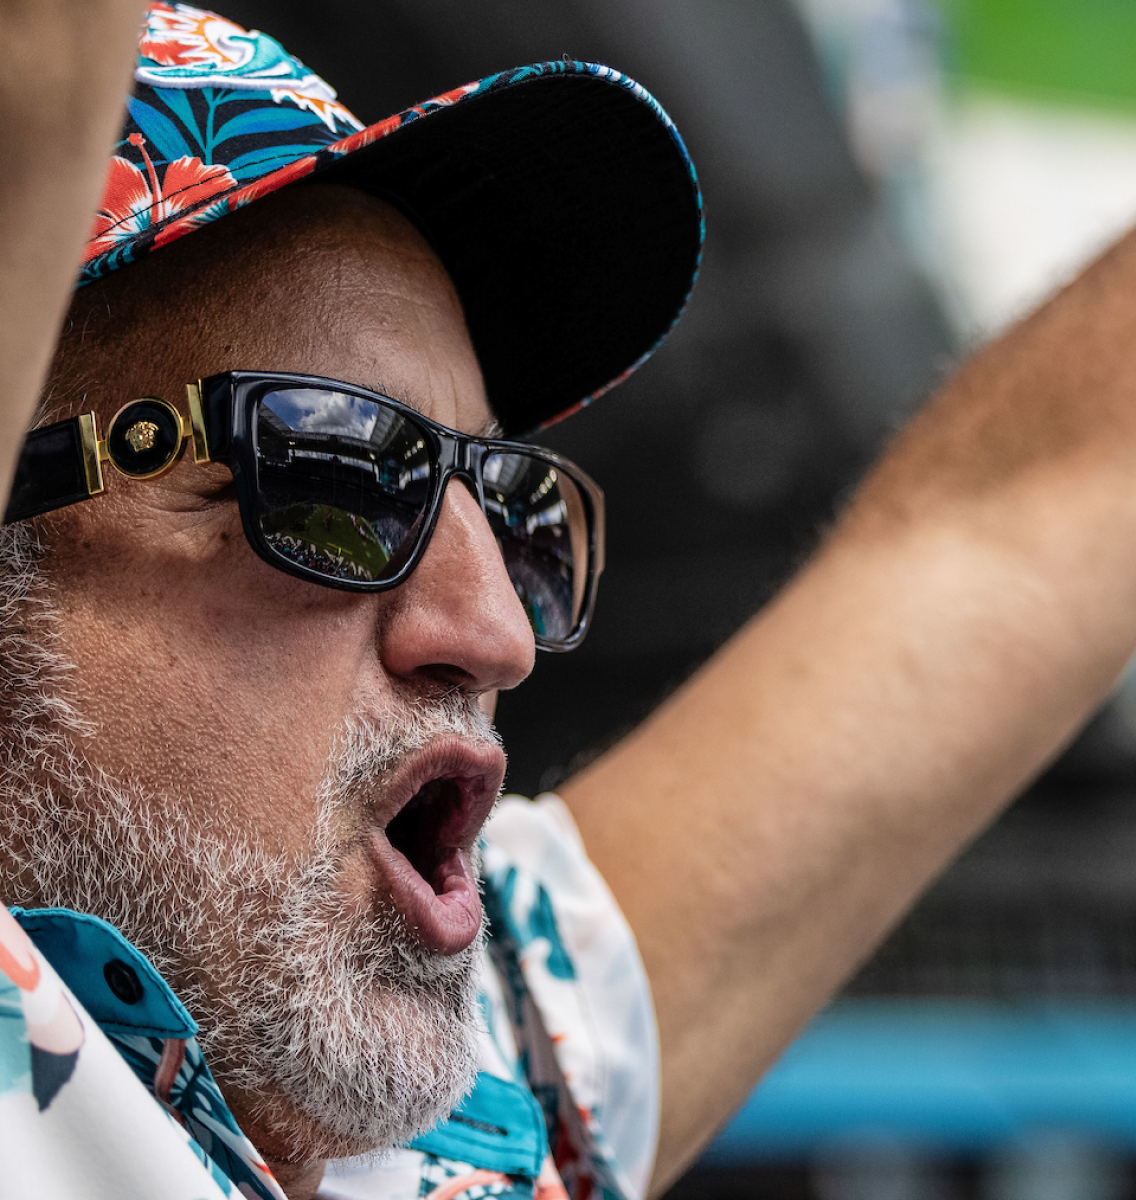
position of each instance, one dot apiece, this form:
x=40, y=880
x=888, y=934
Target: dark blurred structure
x=810, y=337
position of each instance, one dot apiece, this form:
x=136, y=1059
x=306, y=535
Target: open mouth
x=437, y=803
x=428, y=830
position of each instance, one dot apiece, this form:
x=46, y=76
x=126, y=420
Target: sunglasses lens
x=539, y=516
x=342, y=482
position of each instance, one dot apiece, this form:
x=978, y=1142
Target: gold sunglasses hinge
x=197, y=423
x=92, y=453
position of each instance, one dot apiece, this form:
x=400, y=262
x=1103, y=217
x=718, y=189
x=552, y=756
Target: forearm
x=66, y=70
x=769, y=824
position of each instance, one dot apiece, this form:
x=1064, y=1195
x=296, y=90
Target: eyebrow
x=489, y=428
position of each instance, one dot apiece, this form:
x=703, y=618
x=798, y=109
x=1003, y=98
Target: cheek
x=207, y=674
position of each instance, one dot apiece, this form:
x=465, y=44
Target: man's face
x=269, y=729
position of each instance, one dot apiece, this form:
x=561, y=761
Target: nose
x=457, y=619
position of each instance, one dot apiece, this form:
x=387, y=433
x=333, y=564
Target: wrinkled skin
x=208, y=674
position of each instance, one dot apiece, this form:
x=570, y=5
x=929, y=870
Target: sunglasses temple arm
x=59, y=465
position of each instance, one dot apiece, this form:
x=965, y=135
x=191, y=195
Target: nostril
x=448, y=676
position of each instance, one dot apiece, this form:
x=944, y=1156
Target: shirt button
x=122, y=979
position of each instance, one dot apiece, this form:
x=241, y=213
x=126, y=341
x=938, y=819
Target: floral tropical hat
x=559, y=196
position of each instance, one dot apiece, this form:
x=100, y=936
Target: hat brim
x=562, y=202
x=565, y=209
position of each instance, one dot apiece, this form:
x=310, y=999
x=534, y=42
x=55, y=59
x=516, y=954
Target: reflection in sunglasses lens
x=537, y=514
x=343, y=482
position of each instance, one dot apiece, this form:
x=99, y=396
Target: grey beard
x=338, y=1030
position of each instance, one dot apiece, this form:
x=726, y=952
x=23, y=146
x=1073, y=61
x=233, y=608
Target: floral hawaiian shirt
x=104, y=1092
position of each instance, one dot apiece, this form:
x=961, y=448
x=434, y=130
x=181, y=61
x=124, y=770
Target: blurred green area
x=1073, y=51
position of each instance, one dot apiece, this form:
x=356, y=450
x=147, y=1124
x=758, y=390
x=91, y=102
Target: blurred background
x=887, y=184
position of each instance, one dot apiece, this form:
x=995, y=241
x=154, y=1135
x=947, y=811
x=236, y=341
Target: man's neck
x=300, y=1181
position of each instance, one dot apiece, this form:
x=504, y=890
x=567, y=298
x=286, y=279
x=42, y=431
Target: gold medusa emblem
x=141, y=436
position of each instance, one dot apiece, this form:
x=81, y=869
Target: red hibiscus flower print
x=134, y=199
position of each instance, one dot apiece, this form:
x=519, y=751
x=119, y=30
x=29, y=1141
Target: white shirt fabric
x=82, y=1070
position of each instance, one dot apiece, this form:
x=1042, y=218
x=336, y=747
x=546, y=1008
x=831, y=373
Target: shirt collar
x=149, y=1026
x=115, y=982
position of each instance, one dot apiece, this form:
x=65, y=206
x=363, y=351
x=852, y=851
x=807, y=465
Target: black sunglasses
x=343, y=486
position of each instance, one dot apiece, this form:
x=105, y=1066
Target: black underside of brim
x=565, y=213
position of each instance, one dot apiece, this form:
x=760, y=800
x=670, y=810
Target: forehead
x=321, y=280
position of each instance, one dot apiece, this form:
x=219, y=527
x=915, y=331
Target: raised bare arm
x=66, y=69
x=766, y=827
